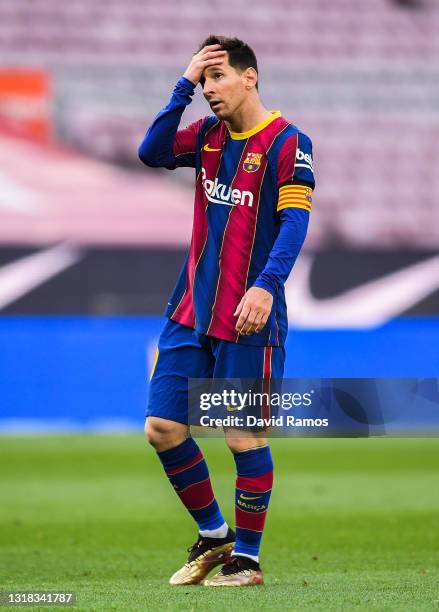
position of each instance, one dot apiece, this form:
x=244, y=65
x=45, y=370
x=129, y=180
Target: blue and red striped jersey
x=246, y=184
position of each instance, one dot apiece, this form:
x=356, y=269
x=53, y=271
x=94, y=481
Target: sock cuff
x=254, y=462
x=173, y=458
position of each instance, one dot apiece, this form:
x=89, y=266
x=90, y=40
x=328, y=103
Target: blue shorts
x=183, y=353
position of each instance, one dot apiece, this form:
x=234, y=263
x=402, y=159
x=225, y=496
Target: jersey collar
x=257, y=128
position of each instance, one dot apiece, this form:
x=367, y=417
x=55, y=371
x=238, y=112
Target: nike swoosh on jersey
x=369, y=305
x=22, y=276
x=207, y=148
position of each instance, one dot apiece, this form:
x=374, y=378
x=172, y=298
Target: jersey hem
x=227, y=339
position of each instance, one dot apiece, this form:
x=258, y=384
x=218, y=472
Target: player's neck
x=248, y=116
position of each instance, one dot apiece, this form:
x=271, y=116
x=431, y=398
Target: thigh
x=244, y=361
x=180, y=355
x=261, y=367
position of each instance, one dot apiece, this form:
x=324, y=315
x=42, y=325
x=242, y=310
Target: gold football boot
x=204, y=555
x=238, y=572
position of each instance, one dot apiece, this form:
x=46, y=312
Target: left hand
x=253, y=311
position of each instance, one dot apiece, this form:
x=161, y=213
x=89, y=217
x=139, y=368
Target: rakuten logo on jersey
x=218, y=193
x=304, y=157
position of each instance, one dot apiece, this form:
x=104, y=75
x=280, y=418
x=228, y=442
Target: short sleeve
x=304, y=166
x=185, y=144
x=295, y=161
x=295, y=173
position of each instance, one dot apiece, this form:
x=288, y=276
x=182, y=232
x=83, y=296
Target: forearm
x=292, y=233
x=156, y=149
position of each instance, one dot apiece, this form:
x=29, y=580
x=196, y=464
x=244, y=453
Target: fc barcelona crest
x=252, y=162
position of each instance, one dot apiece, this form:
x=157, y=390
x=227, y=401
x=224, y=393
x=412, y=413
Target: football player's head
x=228, y=85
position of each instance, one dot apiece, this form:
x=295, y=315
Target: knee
x=157, y=431
x=238, y=445
x=163, y=434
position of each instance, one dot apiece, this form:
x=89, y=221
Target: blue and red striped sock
x=187, y=472
x=254, y=481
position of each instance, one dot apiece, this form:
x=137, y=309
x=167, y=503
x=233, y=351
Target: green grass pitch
x=353, y=524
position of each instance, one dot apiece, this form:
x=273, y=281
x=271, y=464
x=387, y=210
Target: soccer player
x=227, y=315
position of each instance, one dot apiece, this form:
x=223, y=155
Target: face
x=225, y=88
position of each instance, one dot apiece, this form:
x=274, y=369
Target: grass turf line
x=353, y=524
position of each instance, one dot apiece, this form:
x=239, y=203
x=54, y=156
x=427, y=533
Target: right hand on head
x=208, y=56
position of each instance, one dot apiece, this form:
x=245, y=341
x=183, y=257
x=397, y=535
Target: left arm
x=295, y=174
x=255, y=306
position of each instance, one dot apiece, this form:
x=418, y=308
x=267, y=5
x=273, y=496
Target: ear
x=250, y=77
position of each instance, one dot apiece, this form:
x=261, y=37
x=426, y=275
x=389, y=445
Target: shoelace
x=197, y=544
x=231, y=567
x=194, y=547
x=237, y=565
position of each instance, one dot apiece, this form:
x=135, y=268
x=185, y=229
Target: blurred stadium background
x=91, y=241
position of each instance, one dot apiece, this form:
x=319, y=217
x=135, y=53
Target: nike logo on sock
x=242, y=496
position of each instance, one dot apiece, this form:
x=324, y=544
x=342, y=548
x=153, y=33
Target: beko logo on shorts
x=218, y=193
x=304, y=157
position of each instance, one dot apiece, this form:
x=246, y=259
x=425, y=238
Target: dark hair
x=241, y=55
